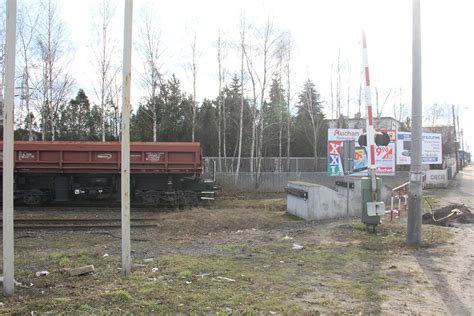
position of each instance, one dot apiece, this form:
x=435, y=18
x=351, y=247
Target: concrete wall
x=324, y=203
x=436, y=178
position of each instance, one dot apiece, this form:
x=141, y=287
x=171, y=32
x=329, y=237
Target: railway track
x=78, y=223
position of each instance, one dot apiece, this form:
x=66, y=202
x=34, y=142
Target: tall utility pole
x=416, y=176
x=1, y=102
x=459, y=143
x=456, y=139
x=126, y=108
x=8, y=232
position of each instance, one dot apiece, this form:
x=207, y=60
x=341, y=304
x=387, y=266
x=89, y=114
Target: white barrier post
x=8, y=152
x=126, y=108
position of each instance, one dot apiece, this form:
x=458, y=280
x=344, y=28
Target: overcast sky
x=320, y=30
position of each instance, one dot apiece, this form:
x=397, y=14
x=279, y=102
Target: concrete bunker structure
x=317, y=202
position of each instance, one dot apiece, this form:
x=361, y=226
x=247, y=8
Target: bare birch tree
x=151, y=52
x=115, y=94
x=348, y=67
x=221, y=113
x=103, y=57
x=283, y=55
x=26, y=33
x=259, y=72
x=253, y=106
x=193, y=68
x=55, y=82
x=380, y=107
x=398, y=105
x=332, y=92
x=437, y=114
x=289, y=44
x=359, y=97
x=243, y=29
x=338, y=84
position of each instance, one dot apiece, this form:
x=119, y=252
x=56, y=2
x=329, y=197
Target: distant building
x=384, y=122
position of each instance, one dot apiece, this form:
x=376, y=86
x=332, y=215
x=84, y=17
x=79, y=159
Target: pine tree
x=207, y=128
x=311, y=129
x=231, y=95
x=94, y=123
x=74, y=118
x=141, y=124
x=275, y=112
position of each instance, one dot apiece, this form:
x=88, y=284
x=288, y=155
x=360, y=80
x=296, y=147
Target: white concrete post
x=8, y=155
x=126, y=109
x=416, y=173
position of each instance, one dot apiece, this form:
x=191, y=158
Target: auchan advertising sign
x=384, y=155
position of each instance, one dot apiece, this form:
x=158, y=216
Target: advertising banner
x=384, y=155
x=431, y=152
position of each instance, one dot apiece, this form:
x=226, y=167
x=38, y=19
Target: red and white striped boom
x=368, y=102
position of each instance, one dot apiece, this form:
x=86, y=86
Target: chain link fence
x=268, y=164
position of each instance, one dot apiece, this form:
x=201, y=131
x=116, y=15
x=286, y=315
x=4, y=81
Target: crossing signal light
x=380, y=139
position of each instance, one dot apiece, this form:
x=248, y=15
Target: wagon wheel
x=183, y=200
x=195, y=199
x=176, y=202
x=32, y=199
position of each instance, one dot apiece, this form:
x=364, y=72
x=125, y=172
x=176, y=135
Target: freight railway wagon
x=160, y=173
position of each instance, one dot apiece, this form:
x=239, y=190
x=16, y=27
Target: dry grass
x=235, y=257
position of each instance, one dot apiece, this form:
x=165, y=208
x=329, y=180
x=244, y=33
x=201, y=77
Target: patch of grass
x=65, y=262
x=262, y=204
x=185, y=274
x=325, y=301
x=429, y=202
x=234, y=248
x=86, y=308
x=121, y=296
x=253, y=274
x=435, y=235
x=252, y=290
x=291, y=217
x=62, y=299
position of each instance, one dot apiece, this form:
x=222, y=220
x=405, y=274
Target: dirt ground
x=237, y=257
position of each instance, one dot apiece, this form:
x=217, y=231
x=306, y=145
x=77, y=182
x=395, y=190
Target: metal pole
x=126, y=109
x=458, y=145
x=347, y=195
x=456, y=140
x=416, y=176
x=8, y=155
x=370, y=126
x=462, y=147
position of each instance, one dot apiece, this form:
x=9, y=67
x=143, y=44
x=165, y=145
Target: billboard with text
x=431, y=151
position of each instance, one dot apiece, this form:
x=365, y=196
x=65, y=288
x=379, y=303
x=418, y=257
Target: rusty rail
x=79, y=223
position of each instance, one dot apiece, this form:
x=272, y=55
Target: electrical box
x=375, y=208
